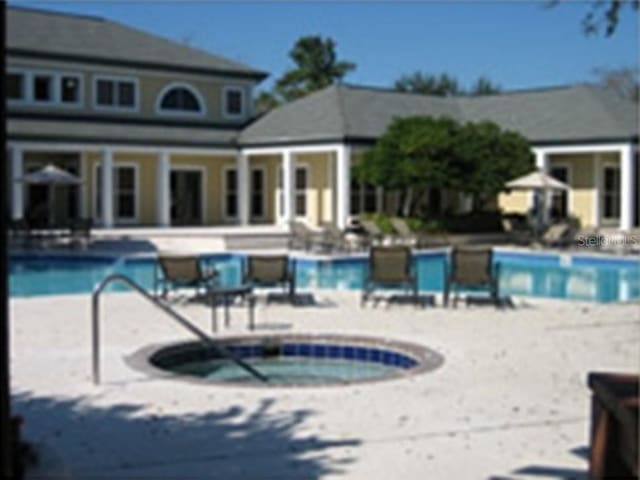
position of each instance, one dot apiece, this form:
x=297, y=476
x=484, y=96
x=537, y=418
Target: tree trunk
x=407, y=203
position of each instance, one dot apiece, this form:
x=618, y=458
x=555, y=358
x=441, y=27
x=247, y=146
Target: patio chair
x=80, y=231
x=271, y=271
x=175, y=271
x=473, y=268
x=300, y=237
x=390, y=267
x=410, y=237
x=334, y=238
x=375, y=235
x=558, y=235
x=516, y=229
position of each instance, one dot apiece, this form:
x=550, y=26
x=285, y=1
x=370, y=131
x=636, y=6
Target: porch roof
x=144, y=135
x=575, y=114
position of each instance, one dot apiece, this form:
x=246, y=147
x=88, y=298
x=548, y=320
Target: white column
x=242, y=189
x=542, y=164
x=17, y=186
x=107, y=188
x=597, y=184
x=288, y=180
x=343, y=184
x=163, y=189
x=627, y=200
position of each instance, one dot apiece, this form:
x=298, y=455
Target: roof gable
x=99, y=40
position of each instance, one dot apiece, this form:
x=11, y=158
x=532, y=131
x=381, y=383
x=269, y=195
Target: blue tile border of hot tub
x=408, y=358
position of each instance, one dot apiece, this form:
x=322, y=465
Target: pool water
x=591, y=278
x=289, y=370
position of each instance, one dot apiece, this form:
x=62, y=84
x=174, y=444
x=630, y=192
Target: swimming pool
x=538, y=274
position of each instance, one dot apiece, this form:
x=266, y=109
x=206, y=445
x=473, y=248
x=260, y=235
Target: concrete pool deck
x=510, y=400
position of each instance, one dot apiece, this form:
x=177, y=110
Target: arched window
x=180, y=99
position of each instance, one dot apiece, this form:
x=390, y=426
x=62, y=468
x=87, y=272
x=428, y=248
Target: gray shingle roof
x=118, y=133
x=97, y=39
x=557, y=115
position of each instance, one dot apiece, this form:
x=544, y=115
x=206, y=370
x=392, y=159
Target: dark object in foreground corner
x=22, y=453
x=614, y=427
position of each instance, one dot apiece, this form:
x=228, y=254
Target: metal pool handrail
x=181, y=319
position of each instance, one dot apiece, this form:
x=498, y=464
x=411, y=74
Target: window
x=231, y=193
x=39, y=87
x=364, y=198
x=69, y=89
x=233, y=102
x=560, y=199
x=124, y=193
x=611, y=192
x=15, y=86
x=180, y=99
x=43, y=88
x=257, y=193
x=301, y=192
x=124, y=184
x=116, y=93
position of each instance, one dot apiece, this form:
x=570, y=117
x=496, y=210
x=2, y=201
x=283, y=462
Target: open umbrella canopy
x=51, y=175
x=537, y=180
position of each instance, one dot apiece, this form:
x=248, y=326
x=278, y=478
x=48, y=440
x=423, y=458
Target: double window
x=180, y=98
x=115, y=93
x=301, y=181
x=256, y=193
x=125, y=180
x=44, y=88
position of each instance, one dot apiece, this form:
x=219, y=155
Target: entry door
x=186, y=197
x=560, y=199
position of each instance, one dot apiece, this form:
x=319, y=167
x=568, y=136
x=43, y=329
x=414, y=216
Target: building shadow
x=75, y=439
x=551, y=471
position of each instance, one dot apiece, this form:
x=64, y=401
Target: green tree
x=316, y=67
x=429, y=84
x=418, y=153
x=412, y=156
x=265, y=101
x=484, y=86
x=443, y=85
x=486, y=158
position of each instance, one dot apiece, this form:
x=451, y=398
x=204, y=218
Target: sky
x=516, y=44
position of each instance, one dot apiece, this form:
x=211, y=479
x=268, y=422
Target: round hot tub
x=290, y=360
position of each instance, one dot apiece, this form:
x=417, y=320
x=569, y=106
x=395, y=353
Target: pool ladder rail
x=178, y=317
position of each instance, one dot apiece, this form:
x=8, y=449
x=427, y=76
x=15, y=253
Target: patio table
x=227, y=295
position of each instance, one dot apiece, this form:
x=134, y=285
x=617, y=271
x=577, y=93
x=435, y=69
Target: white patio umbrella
x=52, y=176
x=541, y=184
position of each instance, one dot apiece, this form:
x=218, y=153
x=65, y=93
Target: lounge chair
x=390, y=266
x=271, y=271
x=334, y=238
x=558, y=235
x=300, y=237
x=182, y=271
x=472, y=267
x=375, y=236
x=416, y=239
x=305, y=238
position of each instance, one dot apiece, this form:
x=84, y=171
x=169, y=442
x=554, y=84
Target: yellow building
x=161, y=134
